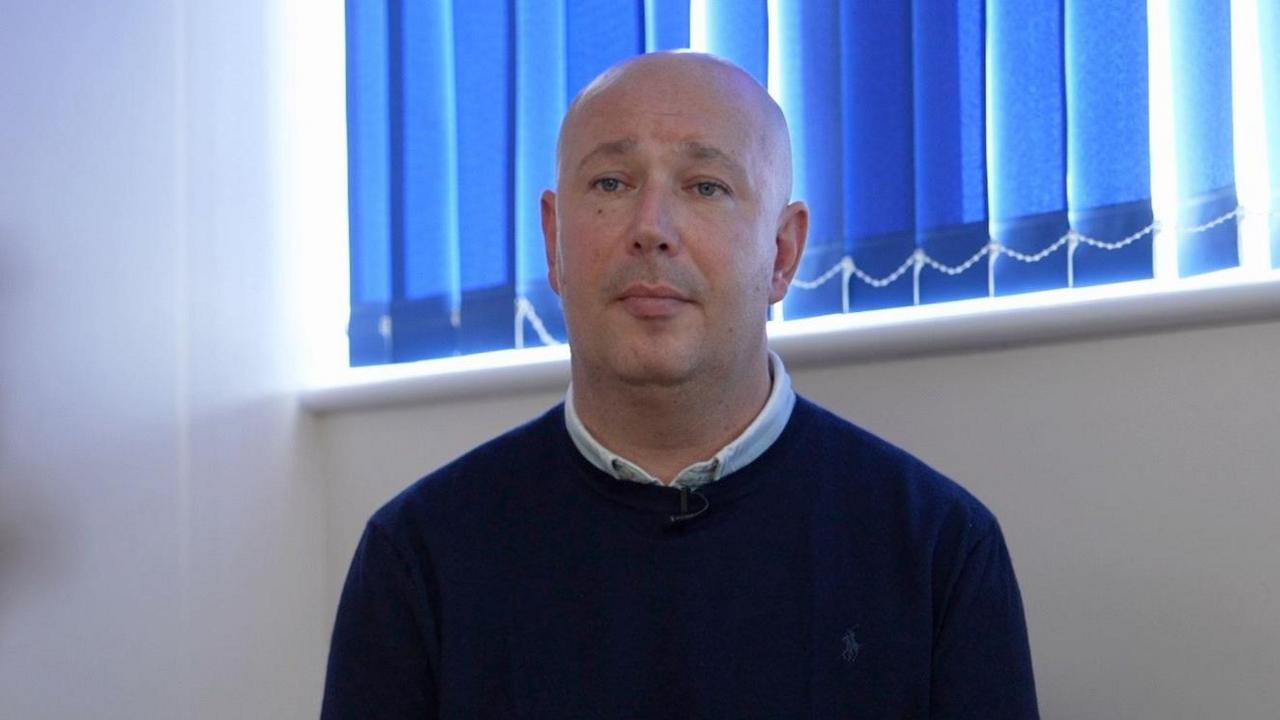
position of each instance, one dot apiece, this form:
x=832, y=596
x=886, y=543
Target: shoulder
x=481, y=480
x=865, y=470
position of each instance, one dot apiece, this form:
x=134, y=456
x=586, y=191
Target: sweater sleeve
x=379, y=663
x=982, y=661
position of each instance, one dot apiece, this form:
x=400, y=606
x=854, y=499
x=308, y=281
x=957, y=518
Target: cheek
x=596, y=225
x=750, y=276
x=590, y=225
x=580, y=258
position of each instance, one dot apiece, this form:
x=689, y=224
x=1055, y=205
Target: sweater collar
x=740, y=452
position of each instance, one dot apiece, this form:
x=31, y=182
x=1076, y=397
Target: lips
x=653, y=301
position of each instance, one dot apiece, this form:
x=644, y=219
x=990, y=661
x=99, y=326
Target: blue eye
x=609, y=185
x=708, y=188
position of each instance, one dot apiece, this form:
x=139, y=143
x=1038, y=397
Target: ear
x=793, y=231
x=549, y=231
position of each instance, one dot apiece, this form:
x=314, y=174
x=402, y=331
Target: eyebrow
x=613, y=148
x=701, y=151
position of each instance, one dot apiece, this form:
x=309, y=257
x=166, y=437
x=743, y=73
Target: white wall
x=161, y=519
x=1137, y=479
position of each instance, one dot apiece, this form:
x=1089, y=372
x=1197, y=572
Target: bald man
x=683, y=537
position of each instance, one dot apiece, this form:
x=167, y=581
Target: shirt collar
x=740, y=452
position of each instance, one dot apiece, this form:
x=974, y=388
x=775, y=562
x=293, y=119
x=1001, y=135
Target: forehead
x=675, y=110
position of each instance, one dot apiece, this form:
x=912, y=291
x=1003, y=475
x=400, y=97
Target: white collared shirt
x=749, y=445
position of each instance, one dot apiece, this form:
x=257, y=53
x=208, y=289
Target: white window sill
x=1229, y=297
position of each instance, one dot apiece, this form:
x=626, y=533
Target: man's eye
x=609, y=185
x=708, y=188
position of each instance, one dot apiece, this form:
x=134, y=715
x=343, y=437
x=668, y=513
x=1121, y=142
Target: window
x=947, y=151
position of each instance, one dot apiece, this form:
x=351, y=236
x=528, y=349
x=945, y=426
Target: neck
x=666, y=428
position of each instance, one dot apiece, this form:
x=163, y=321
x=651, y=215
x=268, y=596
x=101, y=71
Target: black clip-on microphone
x=684, y=507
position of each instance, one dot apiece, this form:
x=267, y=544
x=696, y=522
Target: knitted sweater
x=834, y=577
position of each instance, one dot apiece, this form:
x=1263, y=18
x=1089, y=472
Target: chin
x=652, y=366
x=654, y=357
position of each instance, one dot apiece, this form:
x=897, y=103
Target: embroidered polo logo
x=851, y=646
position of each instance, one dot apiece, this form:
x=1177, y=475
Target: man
x=683, y=537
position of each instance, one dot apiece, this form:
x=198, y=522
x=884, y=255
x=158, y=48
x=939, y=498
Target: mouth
x=645, y=301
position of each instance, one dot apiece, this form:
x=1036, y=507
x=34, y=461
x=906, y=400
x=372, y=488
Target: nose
x=653, y=226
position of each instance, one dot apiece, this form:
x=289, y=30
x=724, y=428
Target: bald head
x=670, y=231
x=671, y=82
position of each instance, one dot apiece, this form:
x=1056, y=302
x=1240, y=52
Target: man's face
x=661, y=238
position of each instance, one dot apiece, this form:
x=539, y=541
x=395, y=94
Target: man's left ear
x=793, y=231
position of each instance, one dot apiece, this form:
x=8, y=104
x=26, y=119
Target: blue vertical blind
x=946, y=150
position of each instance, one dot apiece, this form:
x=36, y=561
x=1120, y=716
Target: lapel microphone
x=685, y=515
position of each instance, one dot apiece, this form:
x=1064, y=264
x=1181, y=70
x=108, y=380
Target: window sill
x=987, y=323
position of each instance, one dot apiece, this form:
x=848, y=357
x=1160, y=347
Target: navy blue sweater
x=834, y=577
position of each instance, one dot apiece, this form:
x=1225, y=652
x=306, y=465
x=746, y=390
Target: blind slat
x=1108, y=137
x=809, y=35
x=1027, y=142
x=1200, y=45
x=950, y=145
